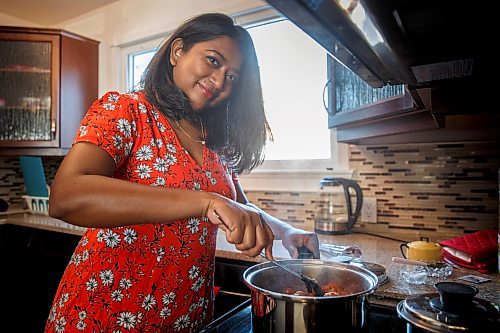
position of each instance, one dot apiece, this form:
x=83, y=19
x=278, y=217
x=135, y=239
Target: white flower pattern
x=124, y=127
x=127, y=320
x=112, y=266
x=129, y=235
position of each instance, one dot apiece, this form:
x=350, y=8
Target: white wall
x=14, y=21
x=126, y=21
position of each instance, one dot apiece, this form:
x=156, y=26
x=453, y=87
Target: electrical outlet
x=369, y=210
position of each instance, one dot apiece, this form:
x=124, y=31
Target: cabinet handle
x=53, y=129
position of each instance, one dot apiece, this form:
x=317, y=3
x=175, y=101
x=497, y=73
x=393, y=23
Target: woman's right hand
x=243, y=226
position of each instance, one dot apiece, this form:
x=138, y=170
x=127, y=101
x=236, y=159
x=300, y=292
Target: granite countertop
x=375, y=250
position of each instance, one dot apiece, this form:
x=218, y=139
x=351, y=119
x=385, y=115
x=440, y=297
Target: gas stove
x=239, y=320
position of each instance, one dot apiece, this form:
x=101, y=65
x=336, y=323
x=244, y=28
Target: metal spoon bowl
x=312, y=285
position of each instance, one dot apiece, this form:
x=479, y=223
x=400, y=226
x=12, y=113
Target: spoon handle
x=287, y=269
x=408, y=261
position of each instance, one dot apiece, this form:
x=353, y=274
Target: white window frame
x=284, y=175
x=133, y=48
x=292, y=175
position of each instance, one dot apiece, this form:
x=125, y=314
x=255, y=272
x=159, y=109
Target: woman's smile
x=207, y=71
x=208, y=93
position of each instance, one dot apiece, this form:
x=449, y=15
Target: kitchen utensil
x=341, y=250
x=275, y=311
x=311, y=284
x=334, y=212
x=422, y=250
x=453, y=309
x=304, y=253
x=437, y=264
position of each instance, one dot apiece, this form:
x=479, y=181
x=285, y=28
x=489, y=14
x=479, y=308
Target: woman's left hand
x=294, y=238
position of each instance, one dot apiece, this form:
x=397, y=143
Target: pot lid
x=423, y=245
x=376, y=269
x=424, y=312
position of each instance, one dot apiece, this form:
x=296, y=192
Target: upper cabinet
x=362, y=114
x=48, y=80
x=444, y=66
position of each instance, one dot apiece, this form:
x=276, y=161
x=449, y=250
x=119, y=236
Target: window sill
x=288, y=181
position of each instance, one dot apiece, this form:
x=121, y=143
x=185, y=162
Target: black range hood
x=422, y=43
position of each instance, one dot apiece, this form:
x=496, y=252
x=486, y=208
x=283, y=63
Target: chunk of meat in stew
x=330, y=289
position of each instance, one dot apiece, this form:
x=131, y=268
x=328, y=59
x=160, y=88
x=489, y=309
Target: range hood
x=422, y=43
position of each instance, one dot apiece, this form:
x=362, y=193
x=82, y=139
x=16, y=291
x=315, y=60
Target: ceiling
x=49, y=12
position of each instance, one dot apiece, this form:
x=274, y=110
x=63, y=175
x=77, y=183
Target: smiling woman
x=153, y=174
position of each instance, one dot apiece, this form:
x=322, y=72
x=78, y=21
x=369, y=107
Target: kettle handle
x=401, y=247
x=352, y=215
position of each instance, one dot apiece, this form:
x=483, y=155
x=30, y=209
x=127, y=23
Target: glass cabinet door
x=351, y=92
x=28, y=90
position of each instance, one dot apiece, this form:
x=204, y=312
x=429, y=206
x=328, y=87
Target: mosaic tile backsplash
x=433, y=190
x=430, y=190
x=11, y=178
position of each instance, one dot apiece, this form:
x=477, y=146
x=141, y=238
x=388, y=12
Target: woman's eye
x=213, y=61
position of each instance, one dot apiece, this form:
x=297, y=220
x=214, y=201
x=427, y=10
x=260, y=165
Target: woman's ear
x=176, y=51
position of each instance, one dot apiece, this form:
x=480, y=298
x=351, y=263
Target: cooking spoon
x=311, y=284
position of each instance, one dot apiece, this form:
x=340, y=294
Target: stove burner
x=376, y=269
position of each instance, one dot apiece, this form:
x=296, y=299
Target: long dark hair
x=237, y=128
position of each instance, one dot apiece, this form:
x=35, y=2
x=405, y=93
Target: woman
x=146, y=262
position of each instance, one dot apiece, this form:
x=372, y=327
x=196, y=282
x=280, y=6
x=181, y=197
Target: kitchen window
x=294, y=72
x=136, y=57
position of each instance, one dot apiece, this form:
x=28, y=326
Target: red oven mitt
x=477, y=251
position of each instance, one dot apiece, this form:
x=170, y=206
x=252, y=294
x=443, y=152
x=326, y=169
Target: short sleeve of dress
x=110, y=124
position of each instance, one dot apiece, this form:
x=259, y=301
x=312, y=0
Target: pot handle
x=304, y=253
x=401, y=246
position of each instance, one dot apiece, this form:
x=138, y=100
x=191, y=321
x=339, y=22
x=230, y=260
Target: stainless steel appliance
x=452, y=309
x=273, y=310
x=334, y=212
x=233, y=311
x=420, y=43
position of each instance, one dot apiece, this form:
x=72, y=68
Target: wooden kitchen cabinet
x=33, y=262
x=48, y=80
x=450, y=112
x=359, y=111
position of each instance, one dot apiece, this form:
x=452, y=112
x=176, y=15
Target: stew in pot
x=330, y=289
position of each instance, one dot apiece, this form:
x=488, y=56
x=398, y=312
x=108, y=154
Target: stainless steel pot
x=275, y=311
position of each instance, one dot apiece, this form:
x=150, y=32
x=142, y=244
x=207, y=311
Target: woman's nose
x=218, y=80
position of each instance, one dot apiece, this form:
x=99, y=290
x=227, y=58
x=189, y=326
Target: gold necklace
x=202, y=141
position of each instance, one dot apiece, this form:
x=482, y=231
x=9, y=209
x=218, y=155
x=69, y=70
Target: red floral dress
x=146, y=277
